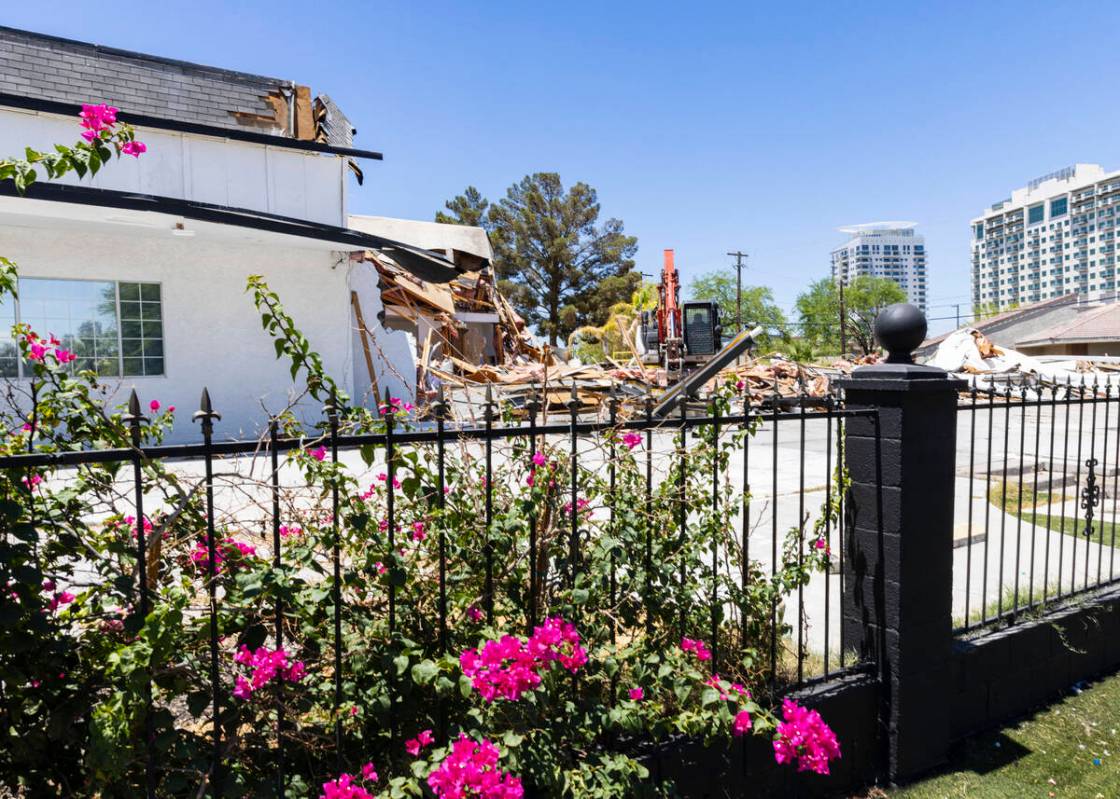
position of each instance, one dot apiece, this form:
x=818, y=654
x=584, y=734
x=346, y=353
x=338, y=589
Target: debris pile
x=969, y=354
x=471, y=342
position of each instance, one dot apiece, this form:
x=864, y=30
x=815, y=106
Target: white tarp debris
x=969, y=354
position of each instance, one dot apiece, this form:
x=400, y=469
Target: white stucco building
x=142, y=270
x=884, y=249
x=1054, y=236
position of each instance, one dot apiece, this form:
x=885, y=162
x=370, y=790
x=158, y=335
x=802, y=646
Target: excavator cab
x=703, y=335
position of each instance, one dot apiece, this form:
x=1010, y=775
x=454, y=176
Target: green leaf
x=400, y=663
x=424, y=672
x=511, y=738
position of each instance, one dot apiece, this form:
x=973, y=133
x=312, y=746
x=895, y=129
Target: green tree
x=864, y=297
x=559, y=267
x=759, y=307
x=818, y=309
x=468, y=208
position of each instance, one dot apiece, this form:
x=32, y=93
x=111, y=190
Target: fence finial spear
x=134, y=417
x=206, y=413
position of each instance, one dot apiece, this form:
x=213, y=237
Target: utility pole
x=958, y=307
x=738, y=256
x=843, y=326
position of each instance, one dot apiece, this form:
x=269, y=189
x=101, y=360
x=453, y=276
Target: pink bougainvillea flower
x=134, y=148
x=369, y=773
x=508, y=667
x=32, y=481
x=353, y=710
x=35, y=683
x=171, y=409
x=471, y=770
x=539, y=459
x=266, y=665
x=98, y=117
x=803, y=736
x=289, y=530
x=697, y=648
x=60, y=600
x=637, y=694
x=474, y=613
x=379, y=567
x=49, y=585
x=344, y=787
x=631, y=440
x=714, y=682
x=739, y=385
x=319, y=453
x=414, y=745
x=154, y=405
x=241, y=688
x=741, y=724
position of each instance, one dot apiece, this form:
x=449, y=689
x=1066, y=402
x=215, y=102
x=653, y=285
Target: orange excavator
x=679, y=336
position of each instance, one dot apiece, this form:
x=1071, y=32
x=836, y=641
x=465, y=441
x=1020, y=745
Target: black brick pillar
x=897, y=603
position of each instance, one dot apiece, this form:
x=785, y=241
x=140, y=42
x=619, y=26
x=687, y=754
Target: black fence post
x=897, y=600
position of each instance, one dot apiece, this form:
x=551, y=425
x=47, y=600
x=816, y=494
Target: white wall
x=392, y=353
x=277, y=180
x=212, y=332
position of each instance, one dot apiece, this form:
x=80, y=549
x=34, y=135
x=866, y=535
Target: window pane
x=152, y=330
x=81, y=313
x=130, y=291
x=130, y=328
x=132, y=347
x=153, y=366
x=149, y=292
x=152, y=310
x=133, y=366
x=130, y=310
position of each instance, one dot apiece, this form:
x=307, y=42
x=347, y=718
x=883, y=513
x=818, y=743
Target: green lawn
x=1067, y=750
x=1103, y=532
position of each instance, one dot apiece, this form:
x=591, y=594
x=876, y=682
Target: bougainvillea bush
x=539, y=654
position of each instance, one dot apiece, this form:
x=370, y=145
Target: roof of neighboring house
x=994, y=324
x=1092, y=324
x=429, y=235
x=151, y=89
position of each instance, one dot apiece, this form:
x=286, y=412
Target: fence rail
x=1039, y=498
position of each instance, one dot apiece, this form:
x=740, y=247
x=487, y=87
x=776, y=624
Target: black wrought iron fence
x=777, y=477
x=1036, y=496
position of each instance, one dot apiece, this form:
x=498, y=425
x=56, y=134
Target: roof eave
x=160, y=123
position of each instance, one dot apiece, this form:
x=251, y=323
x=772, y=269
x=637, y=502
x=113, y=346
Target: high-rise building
x=1054, y=236
x=884, y=249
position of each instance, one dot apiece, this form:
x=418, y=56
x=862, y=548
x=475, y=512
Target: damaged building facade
x=142, y=270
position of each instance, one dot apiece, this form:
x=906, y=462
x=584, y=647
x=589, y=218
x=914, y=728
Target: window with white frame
x=114, y=328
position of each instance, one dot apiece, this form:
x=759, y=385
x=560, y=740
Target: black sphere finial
x=900, y=328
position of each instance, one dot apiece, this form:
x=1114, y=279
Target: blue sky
x=705, y=127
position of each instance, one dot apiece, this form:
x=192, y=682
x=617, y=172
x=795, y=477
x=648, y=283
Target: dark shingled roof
x=62, y=70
